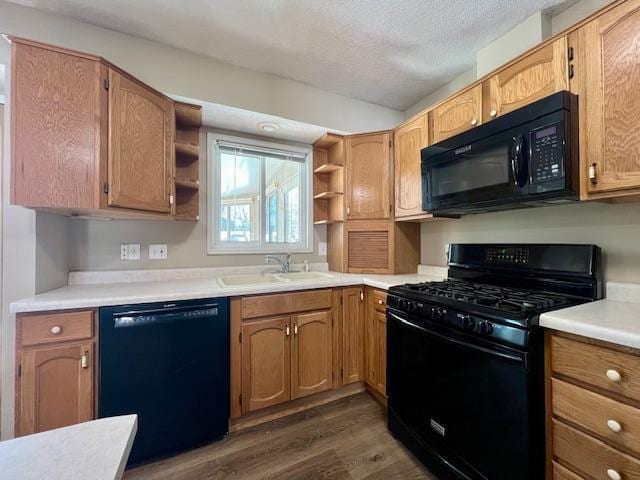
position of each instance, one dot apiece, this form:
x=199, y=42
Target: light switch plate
x=158, y=252
x=322, y=248
x=134, y=251
x=124, y=251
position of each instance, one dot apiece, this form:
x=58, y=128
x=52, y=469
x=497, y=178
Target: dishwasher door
x=169, y=364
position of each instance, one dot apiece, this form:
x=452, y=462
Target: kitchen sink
x=267, y=278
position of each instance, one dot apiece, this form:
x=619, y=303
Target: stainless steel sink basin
x=267, y=278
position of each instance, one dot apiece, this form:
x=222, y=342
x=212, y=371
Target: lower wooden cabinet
x=311, y=353
x=353, y=314
x=55, y=385
x=592, y=409
x=376, y=341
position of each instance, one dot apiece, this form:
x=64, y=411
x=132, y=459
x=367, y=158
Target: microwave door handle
x=518, y=161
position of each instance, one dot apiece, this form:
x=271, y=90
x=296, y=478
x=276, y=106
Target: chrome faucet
x=284, y=264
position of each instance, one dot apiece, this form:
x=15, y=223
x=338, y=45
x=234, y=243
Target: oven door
x=477, y=406
x=481, y=175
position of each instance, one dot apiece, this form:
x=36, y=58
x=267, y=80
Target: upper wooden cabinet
x=368, y=176
x=89, y=139
x=530, y=78
x=607, y=72
x=460, y=113
x=140, y=143
x=408, y=140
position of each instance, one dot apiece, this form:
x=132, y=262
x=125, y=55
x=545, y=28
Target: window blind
x=254, y=151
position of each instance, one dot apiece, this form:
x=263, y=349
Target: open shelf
x=323, y=195
x=327, y=140
x=187, y=150
x=188, y=115
x=327, y=168
x=325, y=222
x=188, y=183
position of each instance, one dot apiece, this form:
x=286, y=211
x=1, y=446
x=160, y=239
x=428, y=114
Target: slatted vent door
x=368, y=250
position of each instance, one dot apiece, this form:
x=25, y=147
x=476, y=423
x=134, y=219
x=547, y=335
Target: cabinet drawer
x=277, y=304
x=56, y=327
x=591, y=456
x=598, y=414
x=602, y=367
x=561, y=473
x=379, y=300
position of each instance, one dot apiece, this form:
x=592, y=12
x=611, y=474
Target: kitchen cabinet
x=55, y=381
x=408, y=141
x=311, y=353
x=368, y=176
x=376, y=341
x=531, y=77
x=266, y=362
x=89, y=139
x=592, y=408
x=456, y=115
x=607, y=71
x=353, y=335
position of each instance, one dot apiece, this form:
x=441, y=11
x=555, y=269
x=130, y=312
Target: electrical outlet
x=124, y=251
x=134, y=251
x=158, y=252
x=322, y=248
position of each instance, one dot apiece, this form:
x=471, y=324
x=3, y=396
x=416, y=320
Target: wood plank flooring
x=345, y=439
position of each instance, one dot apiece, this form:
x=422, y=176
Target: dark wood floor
x=345, y=439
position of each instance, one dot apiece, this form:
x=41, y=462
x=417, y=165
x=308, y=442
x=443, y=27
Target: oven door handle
x=455, y=341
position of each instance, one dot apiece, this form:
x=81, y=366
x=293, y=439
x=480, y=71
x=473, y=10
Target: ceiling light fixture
x=268, y=126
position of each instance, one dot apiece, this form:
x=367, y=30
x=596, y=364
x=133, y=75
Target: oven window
x=471, y=171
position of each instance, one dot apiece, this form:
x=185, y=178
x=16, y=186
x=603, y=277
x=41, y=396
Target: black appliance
x=168, y=363
x=465, y=373
x=524, y=158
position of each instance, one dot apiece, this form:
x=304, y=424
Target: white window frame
x=216, y=247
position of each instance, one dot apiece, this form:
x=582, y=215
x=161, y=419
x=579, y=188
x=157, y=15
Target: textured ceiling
x=388, y=52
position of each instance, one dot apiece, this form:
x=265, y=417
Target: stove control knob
x=468, y=323
x=436, y=313
x=412, y=306
x=402, y=304
x=485, y=328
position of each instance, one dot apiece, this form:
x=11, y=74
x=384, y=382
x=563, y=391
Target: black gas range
x=465, y=368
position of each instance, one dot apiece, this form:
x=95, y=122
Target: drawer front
x=591, y=456
x=280, y=303
x=561, y=473
x=598, y=366
x=617, y=422
x=379, y=300
x=56, y=327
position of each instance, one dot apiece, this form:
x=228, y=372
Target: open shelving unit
x=328, y=179
x=188, y=120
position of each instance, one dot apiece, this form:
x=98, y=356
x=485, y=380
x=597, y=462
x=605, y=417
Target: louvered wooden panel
x=368, y=249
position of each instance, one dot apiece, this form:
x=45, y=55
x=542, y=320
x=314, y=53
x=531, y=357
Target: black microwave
x=524, y=158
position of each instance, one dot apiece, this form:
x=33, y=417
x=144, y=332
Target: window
x=258, y=197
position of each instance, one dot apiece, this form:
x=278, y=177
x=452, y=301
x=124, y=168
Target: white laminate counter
x=615, y=319
x=100, y=295
x=96, y=450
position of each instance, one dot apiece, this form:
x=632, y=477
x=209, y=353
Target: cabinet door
x=531, y=78
x=266, y=367
x=368, y=186
x=457, y=115
x=139, y=146
x=56, y=388
x=607, y=76
x=380, y=352
x=408, y=141
x=353, y=335
x=311, y=353
x=55, y=110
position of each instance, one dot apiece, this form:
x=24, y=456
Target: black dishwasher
x=168, y=363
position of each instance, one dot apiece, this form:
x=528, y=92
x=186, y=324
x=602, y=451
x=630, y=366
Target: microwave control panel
x=546, y=154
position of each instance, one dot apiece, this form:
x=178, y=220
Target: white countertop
x=99, y=295
x=615, y=319
x=97, y=450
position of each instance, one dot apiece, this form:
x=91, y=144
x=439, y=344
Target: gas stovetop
x=469, y=295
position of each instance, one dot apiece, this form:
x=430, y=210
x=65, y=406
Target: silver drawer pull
x=614, y=426
x=614, y=375
x=613, y=474
x=380, y=302
x=474, y=122
x=56, y=330
x=493, y=113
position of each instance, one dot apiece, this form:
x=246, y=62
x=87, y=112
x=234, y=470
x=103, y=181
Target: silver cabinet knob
x=614, y=426
x=56, y=330
x=493, y=113
x=613, y=474
x=614, y=375
x=380, y=302
x=474, y=122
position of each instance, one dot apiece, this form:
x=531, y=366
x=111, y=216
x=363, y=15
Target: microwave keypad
x=547, y=154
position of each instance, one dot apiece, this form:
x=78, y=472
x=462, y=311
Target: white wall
x=179, y=72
